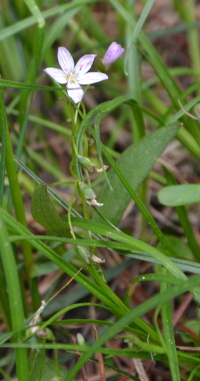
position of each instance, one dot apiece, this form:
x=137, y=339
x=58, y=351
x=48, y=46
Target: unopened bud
x=112, y=54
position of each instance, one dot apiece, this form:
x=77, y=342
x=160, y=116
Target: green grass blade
x=3, y=142
x=184, y=220
x=32, y=72
x=15, y=299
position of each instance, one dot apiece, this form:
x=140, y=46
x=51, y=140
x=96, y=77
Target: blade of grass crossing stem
x=168, y=329
x=142, y=309
x=32, y=72
x=15, y=299
x=184, y=220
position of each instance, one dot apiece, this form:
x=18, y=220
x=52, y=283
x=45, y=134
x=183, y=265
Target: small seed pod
x=87, y=192
x=85, y=162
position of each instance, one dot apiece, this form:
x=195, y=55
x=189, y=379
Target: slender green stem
x=74, y=116
x=70, y=209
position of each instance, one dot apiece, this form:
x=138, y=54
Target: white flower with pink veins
x=75, y=75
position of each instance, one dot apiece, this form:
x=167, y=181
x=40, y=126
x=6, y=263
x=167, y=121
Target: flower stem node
x=75, y=75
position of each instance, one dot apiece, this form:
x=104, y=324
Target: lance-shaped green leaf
x=44, y=212
x=176, y=195
x=135, y=163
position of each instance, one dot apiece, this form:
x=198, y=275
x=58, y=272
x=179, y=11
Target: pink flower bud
x=112, y=54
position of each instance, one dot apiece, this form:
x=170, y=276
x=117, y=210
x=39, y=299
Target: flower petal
x=76, y=93
x=57, y=74
x=65, y=60
x=90, y=78
x=84, y=64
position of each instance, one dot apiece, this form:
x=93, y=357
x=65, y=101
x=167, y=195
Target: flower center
x=70, y=76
